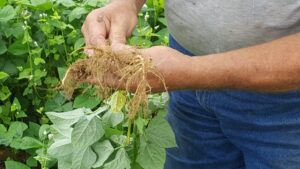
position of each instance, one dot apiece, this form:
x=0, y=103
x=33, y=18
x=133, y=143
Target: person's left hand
x=172, y=65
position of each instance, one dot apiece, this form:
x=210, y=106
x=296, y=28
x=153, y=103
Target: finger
x=96, y=31
x=117, y=34
x=122, y=49
x=87, y=51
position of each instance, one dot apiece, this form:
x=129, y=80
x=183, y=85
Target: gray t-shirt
x=213, y=26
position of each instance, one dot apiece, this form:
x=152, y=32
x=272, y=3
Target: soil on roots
x=109, y=71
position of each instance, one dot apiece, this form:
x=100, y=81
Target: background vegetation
x=37, y=40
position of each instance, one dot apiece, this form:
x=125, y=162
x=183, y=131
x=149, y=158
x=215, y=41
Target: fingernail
x=89, y=52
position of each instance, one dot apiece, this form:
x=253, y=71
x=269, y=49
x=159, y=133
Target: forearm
x=271, y=67
x=138, y=4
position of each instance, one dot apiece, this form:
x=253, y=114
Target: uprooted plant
x=129, y=68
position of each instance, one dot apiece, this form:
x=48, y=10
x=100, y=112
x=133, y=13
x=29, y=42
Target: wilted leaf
x=118, y=100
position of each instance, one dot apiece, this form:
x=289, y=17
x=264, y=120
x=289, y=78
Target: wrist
x=135, y=4
x=182, y=76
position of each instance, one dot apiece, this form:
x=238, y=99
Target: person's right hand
x=114, y=22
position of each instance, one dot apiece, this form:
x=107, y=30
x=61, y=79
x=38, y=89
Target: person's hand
x=174, y=66
x=114, y=22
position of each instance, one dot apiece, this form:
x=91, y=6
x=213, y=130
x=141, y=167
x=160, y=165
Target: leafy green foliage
x=96, y=141
x=37, y=40
x=13, y=165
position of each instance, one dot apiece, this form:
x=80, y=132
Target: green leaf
x=139, y=41
x=160, y=133
x=17, y=48
x=103, y=150
x=85, y=100
x=163, y=21
x=66, y=3
x=16, y=30
x=7, y=13
x=43, y=131
x=68, y=106
x=22, y=2
x=25, y=74
x=39, y=60
x=61, y=72
x=92, y=3
x=112, y=119
x=27, y=38
x=121, y=161
x=2, y=3
x=42, y=4
x=118, y=139
x=4, y=93
x=2, y=129
x=150, y=155
x=140, y=124
x=20, y=114
x=112, y=131
x=66, y=119
x=118, y=100
x=30, y=142
x=39, y=73
x=83, y=158
x=61, y=148
x=63, y=133
x=31, y=162
x=16, y=106
x=158, y=136
x=77, y=13
x=78, y=44
x=15, y=165
x=55, y=104
x=33, y=129
x=62, y=163
x=86, y=132
x=3, y=48
x=4, y=138
x=3, y=76
x=16, y=129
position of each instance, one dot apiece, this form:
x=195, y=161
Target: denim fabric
x=229, y=129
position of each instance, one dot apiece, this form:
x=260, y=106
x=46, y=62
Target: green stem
x=65, y=47
x=128, y=132
x=135, y=142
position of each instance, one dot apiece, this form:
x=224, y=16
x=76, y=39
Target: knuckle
x=91, y=16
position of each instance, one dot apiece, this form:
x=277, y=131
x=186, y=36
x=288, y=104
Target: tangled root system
x=129, y=67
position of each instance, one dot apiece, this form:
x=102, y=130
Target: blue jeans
x=227, y=129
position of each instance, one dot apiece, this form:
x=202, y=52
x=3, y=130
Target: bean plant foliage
x=39, y=127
